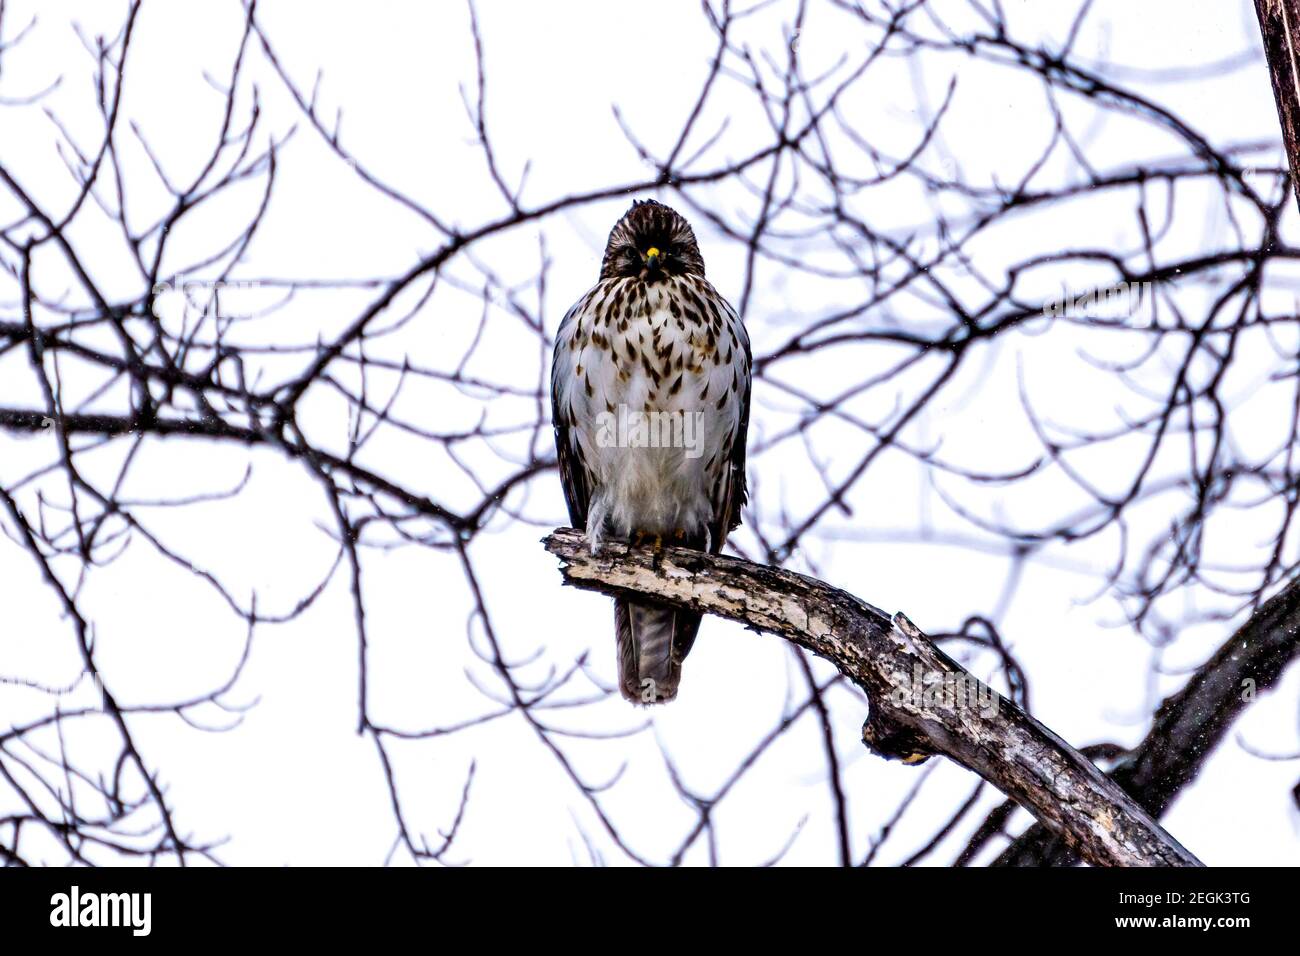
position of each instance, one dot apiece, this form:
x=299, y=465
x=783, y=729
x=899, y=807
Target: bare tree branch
x=1190, y=724
x=994, y=738
x=164, y=365
x=1279, y=25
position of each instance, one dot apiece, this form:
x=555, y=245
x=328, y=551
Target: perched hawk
x=650, y=394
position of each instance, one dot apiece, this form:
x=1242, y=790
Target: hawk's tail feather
x=653, y=639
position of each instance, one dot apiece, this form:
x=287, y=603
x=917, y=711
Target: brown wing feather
x=735, y=490
x=573, y=478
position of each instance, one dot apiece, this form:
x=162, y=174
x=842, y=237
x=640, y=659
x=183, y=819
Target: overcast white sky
x=294, y=783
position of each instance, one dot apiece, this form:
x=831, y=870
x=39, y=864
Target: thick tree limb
x=922, y=702
x=1190, y=724
x=1279, y=25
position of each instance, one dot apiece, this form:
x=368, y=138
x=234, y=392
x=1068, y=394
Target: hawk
x=650, y=399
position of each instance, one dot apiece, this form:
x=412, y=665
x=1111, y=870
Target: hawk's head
x=651, y=242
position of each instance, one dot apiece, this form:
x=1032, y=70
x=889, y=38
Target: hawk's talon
x=641, y=539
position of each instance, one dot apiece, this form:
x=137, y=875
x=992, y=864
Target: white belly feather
x=654, y=401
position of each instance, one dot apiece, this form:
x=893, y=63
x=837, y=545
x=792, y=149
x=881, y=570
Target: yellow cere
x=652, y=252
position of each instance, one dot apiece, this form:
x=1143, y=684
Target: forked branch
x=922, y=701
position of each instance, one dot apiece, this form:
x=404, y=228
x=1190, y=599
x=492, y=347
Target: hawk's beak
x=653, y=260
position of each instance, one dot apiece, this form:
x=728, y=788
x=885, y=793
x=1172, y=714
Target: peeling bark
x=950, y=712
